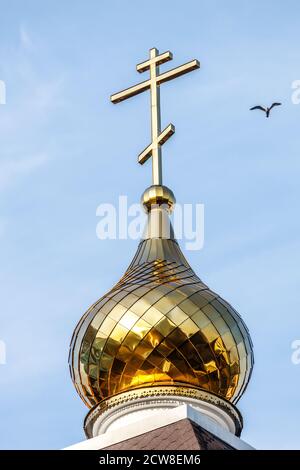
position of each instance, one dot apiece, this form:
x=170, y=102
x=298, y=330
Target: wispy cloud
x=47, y=94
x=33, y=93
x=12, y=170
x=25, y=39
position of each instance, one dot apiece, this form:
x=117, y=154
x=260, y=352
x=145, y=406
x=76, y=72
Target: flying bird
x=266, y=110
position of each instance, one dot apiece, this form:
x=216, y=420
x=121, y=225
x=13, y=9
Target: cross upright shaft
x=156, y=79
x=155, y=119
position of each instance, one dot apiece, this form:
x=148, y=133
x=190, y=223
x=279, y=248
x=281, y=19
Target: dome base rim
x=120, y=409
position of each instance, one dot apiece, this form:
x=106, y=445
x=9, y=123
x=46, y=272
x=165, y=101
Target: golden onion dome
x=160, y=325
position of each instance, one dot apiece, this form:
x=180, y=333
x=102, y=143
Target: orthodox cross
x=153, y=83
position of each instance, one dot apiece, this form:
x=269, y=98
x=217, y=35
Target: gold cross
x=158, y=137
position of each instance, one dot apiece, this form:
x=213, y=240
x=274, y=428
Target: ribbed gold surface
x=160, y=325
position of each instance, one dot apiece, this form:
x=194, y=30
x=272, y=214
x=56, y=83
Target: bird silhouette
x=266, y=110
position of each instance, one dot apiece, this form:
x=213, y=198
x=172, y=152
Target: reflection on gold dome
x=160, y=325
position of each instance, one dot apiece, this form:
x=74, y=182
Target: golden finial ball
x=158, y=195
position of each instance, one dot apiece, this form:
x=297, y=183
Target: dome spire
x=153, y=83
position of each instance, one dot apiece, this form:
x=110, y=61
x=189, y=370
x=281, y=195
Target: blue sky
x=65, y=149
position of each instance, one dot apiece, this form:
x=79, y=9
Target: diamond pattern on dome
x=160, y=325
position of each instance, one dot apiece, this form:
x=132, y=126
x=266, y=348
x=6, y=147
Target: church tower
x=160, y=360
